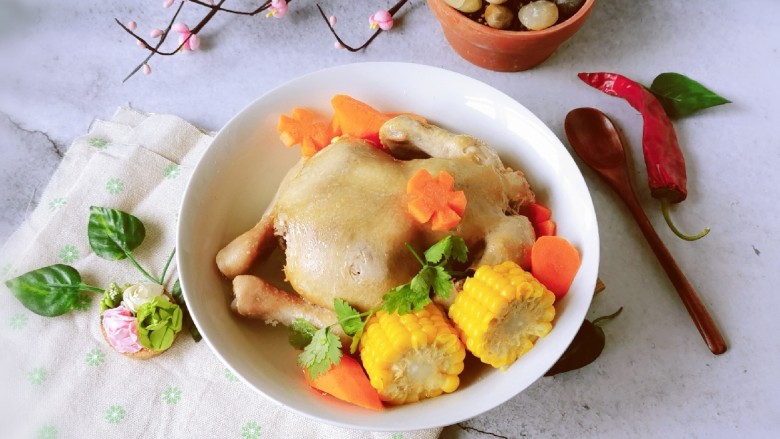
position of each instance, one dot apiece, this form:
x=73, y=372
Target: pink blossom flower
x=132, y=25
x=381, y=19
x=147, y=69
x=190, y=40
x=278, y=9
x=167, y=3
x=121, y=329
x=156, y=33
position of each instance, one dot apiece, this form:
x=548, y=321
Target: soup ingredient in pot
x=301, y=128
x=413, y=356
x=538, y=15
x=554, y=262
x=347, y=381
x=434, y=200
x=498, y=16
x=467, y=6
x=501, y=312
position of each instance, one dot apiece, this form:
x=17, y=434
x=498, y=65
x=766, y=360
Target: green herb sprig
x=322, y=347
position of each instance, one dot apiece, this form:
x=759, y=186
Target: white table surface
x=62, y=64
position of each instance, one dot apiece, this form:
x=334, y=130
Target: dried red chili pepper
x=663, y=158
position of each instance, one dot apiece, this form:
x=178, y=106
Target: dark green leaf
x=48, y=291
x=439, y=251
x=460, y=252
x=421, y=283
x=113, y=234
x=301, y=333
x=442, y=283
x=359, y=333
x=178, y=295
x=682, y=96
x=323, y=352
x=403, y=299
x=349, y=318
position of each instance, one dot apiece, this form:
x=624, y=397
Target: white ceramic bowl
x=239, y=173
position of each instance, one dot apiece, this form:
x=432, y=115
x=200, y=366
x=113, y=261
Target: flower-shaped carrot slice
x=434, y=200
x=302, y=128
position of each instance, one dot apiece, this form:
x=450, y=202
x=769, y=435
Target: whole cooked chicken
x=341, y=217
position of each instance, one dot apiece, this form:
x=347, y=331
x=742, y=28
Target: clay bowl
x=501, y=50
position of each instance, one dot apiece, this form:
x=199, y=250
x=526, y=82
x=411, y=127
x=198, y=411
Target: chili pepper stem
x=665, y=210
x=607, y=317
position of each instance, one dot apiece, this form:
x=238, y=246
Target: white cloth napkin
x=59, y=377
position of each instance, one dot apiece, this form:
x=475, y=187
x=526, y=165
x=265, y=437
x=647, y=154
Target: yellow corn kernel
x=501, y=312
x=424, y=364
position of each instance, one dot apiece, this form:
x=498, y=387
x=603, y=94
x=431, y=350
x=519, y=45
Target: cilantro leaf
x=359, y=333
x=439, y=251
x=323, y=352
x=349, y=317
x=301, y=333
x=460, y=252
x=421, y=283
x=442, y=283
x=450, y=247
x=403, y=299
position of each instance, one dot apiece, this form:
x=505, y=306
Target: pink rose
x=122, y=329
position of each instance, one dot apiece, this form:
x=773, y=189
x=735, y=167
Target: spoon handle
x=690, y=298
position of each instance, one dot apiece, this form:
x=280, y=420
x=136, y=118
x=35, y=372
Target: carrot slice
x=434, y=200
x=357, y=119
x=537, y=213
x=302, y=128
x=347, y=381
x=554, y=263
x=545, y=228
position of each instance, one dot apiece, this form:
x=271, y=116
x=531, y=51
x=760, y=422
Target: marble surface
x=63, y=64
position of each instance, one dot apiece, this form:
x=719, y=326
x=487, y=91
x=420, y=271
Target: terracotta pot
x=501, y=50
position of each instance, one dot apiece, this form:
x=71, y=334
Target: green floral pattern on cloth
x=47, y=432
x=171, y=395
x=18, y=322
x=95, y=357
x=250, y=430
x=115, y=186
x=171, y=171
x=98, y=143
x=37, y=376
x=115, y=414
x=69, y=254
x=230, y=376
x=57, y=203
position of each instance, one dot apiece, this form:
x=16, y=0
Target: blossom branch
x=391, y=11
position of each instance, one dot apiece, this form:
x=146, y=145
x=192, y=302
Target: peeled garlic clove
x=467, y=6
x=498, y=2
x=498, y=17
x=538, y=15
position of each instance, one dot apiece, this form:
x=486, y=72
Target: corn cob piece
x=501, y=312
x=412, y=356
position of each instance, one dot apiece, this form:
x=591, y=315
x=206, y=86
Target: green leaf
x=158, y=321
x=177, y=294
x=359, y=333
x=323, y=352
x=682, y=96
x=421, y=283
x=403, y=299
x=48, y=291
x=349, y=318
x=113, y=234
x=449, y=247
x=442, y=283
x=301, y=333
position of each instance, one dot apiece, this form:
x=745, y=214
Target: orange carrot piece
x=357, y=119
x=545, y=228
x=302, y=128
x=554, y=263
x=537, y=213
x=347, y=381
x=435, y=200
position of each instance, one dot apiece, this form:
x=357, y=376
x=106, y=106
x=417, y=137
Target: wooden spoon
x=597, y=142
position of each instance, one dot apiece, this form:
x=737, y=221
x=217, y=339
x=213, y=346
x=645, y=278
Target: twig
x=392, y=12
